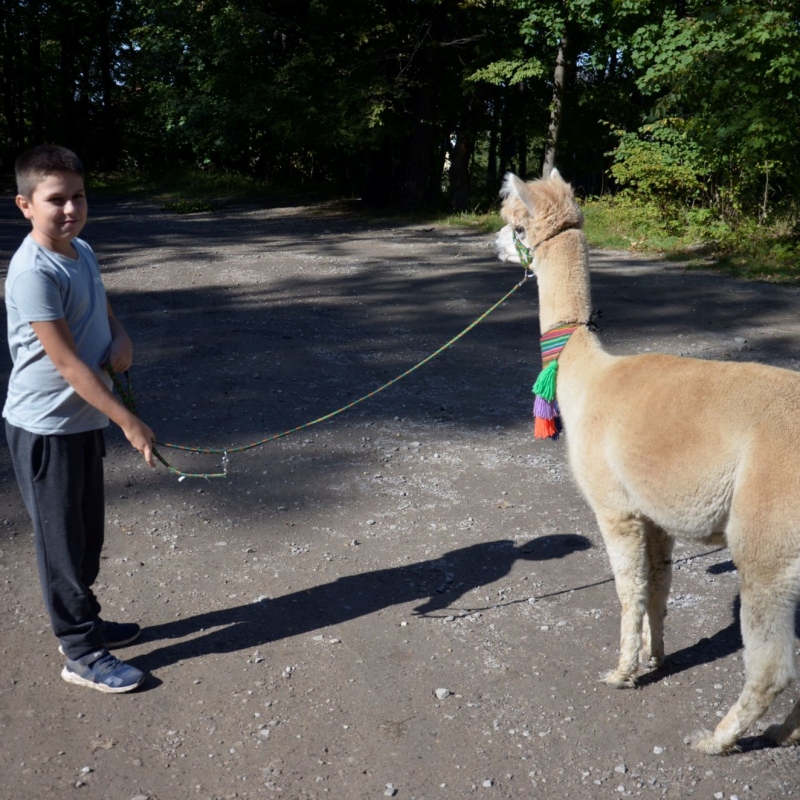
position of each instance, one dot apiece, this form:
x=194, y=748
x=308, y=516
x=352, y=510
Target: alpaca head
x=535, y=212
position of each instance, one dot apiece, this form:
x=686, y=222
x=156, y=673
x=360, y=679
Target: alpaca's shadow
x=708, y=649
x=723, y=643
x=721, y=568
x=440, y=582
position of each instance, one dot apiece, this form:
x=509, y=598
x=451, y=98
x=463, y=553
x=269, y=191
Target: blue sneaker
x=115, y=634
x=118, y=634
x=100, y=670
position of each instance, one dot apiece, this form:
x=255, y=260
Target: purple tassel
x=544, y=409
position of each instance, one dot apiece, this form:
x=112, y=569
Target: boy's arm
x=59, y=345
x=120, y=354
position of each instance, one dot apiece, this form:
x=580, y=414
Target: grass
x=692, y=237
x=183, y=191
x=488, y=222
x=697, y=239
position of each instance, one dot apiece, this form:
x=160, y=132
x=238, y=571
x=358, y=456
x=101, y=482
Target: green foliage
x=696, y=237
x=489, y=222
x=691, y=108
x=660, y=164
x=509, y=72
x=729, y=70
x=626, y=223
x=758, y=252
x=185, y=206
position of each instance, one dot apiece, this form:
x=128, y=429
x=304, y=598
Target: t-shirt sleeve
x=37, y=296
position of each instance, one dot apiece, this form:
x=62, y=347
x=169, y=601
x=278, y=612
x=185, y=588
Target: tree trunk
x=66, y=126
x=37, y=74
x=463, y=151
x=11, y=59
x=522, y=141
x=556, y=107
x=108, y=149
x=422, y=174
x=491, y=161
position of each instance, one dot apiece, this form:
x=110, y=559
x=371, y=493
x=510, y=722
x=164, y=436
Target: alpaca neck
x=563, y=277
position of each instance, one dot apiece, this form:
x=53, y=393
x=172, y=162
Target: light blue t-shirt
x=42, y=286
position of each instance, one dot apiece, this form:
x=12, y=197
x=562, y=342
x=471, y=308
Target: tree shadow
x=440, y=581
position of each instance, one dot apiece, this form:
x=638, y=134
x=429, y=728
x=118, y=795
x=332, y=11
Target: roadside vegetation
x=743, y=247
x=676, y=122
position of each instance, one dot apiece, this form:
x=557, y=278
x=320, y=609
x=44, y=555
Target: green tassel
x=545, y=386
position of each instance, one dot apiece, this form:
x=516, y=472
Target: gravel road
x=408, y=600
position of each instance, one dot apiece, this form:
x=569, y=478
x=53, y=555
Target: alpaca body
x=664, y=447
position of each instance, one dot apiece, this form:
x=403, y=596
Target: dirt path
x=301, y=615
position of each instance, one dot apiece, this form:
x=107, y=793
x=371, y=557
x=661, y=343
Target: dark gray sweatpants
x=61, y=480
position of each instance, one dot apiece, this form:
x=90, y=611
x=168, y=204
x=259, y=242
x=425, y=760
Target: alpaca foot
x=619, y=680
x=783, y=736
x=652, y=662
x=706, y=742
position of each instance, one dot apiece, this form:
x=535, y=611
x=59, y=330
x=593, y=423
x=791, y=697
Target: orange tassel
x=544, y=428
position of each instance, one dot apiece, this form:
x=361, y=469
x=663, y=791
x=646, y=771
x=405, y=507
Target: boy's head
x=34, y=165
x=52, y=197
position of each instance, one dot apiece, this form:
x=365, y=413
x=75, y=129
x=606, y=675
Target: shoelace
x=104, y=665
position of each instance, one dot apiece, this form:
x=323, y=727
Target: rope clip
x=526, y=255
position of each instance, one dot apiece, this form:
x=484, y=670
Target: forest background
x=677, y=122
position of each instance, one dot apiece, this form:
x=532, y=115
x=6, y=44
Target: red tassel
x=544, y=428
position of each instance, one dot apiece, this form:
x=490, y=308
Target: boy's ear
x=24, y=205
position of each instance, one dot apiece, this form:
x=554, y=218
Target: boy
x=61, y=331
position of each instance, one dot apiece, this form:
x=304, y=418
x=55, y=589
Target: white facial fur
x=504, y=245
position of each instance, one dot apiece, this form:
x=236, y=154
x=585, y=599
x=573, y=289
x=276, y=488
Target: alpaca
x=663, y=447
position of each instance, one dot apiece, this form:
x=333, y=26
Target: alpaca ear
x=516, y=187
x=555, y=175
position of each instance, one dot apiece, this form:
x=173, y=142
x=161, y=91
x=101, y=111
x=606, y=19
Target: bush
x=659, y=164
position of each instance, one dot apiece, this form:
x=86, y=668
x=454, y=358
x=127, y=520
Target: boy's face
x=57, y=210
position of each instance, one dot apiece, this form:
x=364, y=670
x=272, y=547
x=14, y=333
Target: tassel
x=545, y=409
x=545, y=386
x=547, y=420
x=545, y=428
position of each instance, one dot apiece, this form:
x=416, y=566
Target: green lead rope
x=129, y=401
x=127, y=397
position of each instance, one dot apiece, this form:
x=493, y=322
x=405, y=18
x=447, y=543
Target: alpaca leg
x=768, y=635
x=659, y=558
x=625, y=543
x=788, y=732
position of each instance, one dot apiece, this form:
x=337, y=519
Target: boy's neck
x=62, y=248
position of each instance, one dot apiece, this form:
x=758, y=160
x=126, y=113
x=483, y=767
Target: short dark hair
x=34, y=165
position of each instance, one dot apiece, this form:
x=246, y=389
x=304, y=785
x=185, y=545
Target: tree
x=583, y=45
x=728, y=72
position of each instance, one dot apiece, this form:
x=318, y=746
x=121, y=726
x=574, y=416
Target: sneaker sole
x=111, y=645
x=72, y=677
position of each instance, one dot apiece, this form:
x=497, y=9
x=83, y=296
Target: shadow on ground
x=442, y=581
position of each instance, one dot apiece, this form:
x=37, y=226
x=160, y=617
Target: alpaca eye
x=519, y=230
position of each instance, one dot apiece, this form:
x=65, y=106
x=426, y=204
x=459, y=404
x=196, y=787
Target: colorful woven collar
x=547, y=420
x=553, y=342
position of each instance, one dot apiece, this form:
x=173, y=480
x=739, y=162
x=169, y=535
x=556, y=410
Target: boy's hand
x=141, y=438
x=120, y=354
x=59, y=345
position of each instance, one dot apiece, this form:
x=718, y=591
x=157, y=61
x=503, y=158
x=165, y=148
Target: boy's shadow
x=440, y=582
